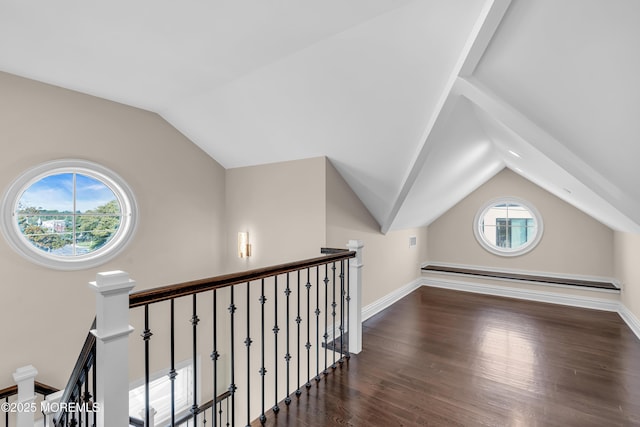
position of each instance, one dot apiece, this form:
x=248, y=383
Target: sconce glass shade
x=244, y=249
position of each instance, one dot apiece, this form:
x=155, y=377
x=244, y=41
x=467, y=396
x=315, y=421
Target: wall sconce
x=244, y=248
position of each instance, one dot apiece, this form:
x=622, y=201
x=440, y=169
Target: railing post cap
x=24, y=373
x=355, y=244
x=112, y=282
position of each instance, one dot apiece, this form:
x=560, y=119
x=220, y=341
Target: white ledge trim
x=532, y=273
x=114, y=335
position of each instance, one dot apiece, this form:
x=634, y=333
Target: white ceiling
x=417, y=103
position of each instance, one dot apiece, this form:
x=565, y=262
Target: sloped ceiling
x=417, y=103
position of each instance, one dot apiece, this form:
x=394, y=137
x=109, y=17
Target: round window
x=68, y=214
x=508, y=226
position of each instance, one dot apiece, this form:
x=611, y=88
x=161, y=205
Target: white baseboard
x=386, y=301
x=630, y=319
x=525, y=294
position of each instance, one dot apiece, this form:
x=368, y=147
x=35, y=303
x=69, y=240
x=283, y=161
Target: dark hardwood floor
x=447, y=358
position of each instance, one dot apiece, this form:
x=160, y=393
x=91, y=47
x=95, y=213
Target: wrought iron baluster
x=194, y=322
x=86, y=397
x=263, y=371
x=275, y=330
x=342, y=311
x=333, y=315
x=146, y=336
x=308, y=344
x=247, y=342
x=326, y=315
x=172, y=371
x=287, y=356
x=215, y=356
x=318, y=312
x=348, y=301
x=73, y=422
x=232, y=386
x=298, y=320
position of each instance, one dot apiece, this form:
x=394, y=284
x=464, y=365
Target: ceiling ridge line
x=481, y=96
x=479, y=38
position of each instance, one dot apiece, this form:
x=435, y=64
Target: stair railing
x=304, y=318
x=18, y=401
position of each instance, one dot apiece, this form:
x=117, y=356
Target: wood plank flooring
x=446, y=358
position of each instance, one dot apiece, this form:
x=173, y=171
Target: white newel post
x=355, y=295
x=112, y=347
x=25, y=380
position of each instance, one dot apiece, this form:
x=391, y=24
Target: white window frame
x=163, y=408
x=16, y=239
x=507, y=252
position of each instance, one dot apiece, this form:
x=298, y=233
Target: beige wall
x=389, y=262
x=282, y=206
x=627, y=269
x=180, y=192
x=572, y=243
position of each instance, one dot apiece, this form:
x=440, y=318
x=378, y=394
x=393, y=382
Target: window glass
x=68, y=214
x=160, y=395
x=508, y=227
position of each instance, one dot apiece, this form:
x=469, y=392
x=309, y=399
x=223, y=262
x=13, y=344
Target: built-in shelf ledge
x=521, y=277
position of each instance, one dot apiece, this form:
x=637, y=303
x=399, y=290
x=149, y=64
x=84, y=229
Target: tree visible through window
x=68, y=214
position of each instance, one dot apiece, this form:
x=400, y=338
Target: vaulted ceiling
x=416, y=103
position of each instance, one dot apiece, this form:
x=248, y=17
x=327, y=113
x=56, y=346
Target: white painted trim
x=525, y=294
x=111, y=180
x=538, y=138
x=530, y=272
x=630, y=319
x=477, y=42
x=386, y=301
x=528, y=246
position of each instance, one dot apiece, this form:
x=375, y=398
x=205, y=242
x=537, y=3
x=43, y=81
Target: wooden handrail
x=9, y=391
x=39, y=388
x=164, y=293
x=328, y=251
x=44, y=389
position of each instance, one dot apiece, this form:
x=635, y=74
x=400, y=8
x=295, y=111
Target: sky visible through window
x=55, y=193
x=68, y=214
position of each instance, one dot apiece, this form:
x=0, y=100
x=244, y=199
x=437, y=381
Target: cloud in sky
x=56, y=192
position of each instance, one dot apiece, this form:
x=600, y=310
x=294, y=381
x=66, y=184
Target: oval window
x=68, y=214
x=508, y=226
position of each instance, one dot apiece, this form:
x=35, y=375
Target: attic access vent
x=413, y=241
